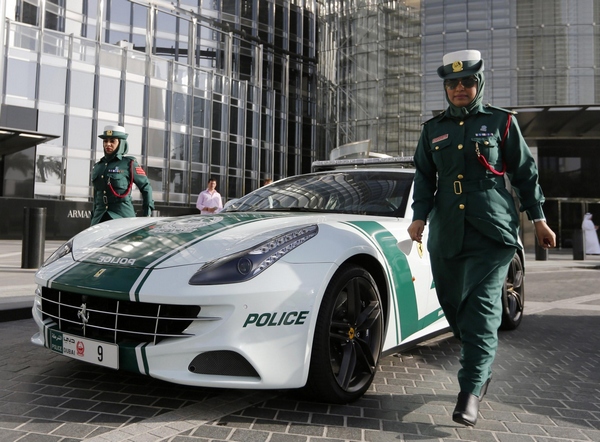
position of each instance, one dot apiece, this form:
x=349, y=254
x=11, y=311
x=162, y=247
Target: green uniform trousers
x=469, y=287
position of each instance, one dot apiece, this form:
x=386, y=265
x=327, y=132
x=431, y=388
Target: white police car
x=304, y=283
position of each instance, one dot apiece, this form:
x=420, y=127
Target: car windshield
x=369, y=192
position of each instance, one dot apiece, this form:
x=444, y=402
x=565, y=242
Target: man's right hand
x=415, y=230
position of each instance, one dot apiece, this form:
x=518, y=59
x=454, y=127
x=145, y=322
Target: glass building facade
x=205, y=88
x=370, y=64
x=536, y=52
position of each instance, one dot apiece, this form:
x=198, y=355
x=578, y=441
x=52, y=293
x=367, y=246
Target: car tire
x=513, y=295
x=347, y=341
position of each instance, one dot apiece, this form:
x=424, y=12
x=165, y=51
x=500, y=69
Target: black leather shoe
x=467, y=409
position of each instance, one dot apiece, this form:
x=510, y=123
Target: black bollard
x=34, y=237
x=578, y=245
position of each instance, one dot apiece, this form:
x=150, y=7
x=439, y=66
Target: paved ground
x=546, y=384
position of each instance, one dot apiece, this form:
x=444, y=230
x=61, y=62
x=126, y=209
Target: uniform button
x=486, y=142
x=106, y=207
x=101, y=176
x=460, y=146
x=461, y=206
x=461, y=123
x=437, y=147
x=104, y=191
x=460, y=176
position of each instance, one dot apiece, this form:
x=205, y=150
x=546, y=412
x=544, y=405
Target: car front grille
x=115, y=321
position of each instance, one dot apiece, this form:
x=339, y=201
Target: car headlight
x=249, y=263
x=63, y=250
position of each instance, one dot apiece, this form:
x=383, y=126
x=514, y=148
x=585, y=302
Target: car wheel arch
x=373, y=266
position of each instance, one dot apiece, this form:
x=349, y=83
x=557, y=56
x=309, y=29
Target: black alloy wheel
x=513, y=295
x=348, y=338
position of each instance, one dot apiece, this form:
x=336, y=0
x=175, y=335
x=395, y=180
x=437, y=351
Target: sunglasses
x=467, y=82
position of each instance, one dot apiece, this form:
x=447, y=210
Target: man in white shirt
x=209, y=200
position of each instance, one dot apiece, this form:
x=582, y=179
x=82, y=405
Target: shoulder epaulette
x=508, y=111
x=441, y=114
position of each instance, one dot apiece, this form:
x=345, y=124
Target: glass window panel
x=134, y=140
x=200, y=116
x=20, y=78
x=201, y=81
x=82, y=89
x=155, y=176
x=53, y=84
x=119, y=11
x=139, y=42
x=157, y=105
x=78, y=172
x=199, y=151
x=160, y=68
x=198, y=184
x=134, y=99
x=80, y=130
x=29, y=15
x=140, y=16
x=235, y=155
x=181, y=105
x=52, y=124
x=49, y=169
x=235, y=125
x=108, y=94
x=217, y=122
x=178, y=181
x=179, y=144
x=216, y=150
x=19, y=173
x=156, y=143
x=84, y=51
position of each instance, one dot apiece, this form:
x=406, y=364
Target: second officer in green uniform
x=113, y=178
x=461, y=161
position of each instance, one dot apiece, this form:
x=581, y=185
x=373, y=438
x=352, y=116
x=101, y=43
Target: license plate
x=83, y=349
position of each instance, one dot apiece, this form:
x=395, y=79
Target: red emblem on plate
x=80, y=348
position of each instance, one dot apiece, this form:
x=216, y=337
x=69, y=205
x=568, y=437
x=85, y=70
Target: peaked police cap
x=114, y=132
x=460, y=64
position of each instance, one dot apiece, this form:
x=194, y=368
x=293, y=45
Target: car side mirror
x=405, y=246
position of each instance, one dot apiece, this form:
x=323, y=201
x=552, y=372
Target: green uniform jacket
x=452, y=186
x=117, y=172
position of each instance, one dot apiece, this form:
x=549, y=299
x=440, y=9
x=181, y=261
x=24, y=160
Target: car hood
x=187, y=240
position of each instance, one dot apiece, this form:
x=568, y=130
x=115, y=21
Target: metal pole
x=34, y=237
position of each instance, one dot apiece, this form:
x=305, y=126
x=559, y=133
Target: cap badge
x=109, y=133
x=457, y=66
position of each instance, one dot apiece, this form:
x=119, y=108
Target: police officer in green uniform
x=462, y=159
x=113, y=178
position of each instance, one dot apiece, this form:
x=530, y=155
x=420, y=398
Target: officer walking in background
x=113, y=178
x=461, y=161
